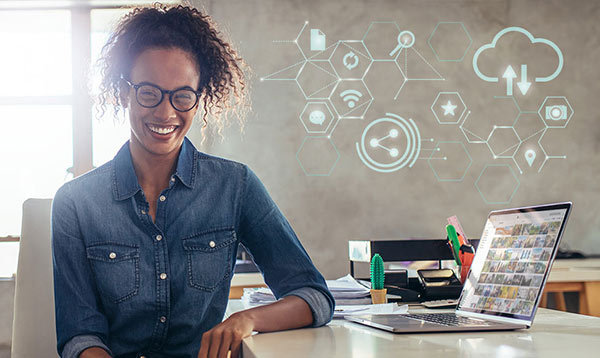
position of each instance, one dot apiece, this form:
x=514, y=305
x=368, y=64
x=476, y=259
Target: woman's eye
x=183, y=96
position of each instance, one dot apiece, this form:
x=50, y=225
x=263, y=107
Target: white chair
x=34, y=331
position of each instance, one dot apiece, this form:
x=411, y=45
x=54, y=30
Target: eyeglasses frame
x=163, y=92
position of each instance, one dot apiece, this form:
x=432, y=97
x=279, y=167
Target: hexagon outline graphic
x=333, y=82
x=496, y=156
x=466, y=169
x=328, y=109
x=482, y=140
x=461, y=100
x=404, y=79
x=367, y=32
x=531, y=135
x=366, y=104
x=511, y=195
x=568, y=104
x=466, y=49
x=332, y=166
x=546, y=156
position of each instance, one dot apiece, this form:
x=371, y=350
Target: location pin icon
x=530, y=156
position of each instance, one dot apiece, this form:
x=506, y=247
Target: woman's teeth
x=161, y=130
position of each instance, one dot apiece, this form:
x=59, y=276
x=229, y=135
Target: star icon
x=449, y=109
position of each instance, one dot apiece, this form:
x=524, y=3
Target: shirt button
x=212, y=244
x=163, y=319
x=158, y=237
x=143, y=212
x=172, y=179
x=162, y=198
x=112, y=255
x=163, y=276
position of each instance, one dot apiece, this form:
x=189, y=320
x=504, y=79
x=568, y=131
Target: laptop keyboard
x=447, y=319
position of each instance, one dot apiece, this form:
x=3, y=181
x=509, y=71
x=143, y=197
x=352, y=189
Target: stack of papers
x=346, y=291
x=357, y=310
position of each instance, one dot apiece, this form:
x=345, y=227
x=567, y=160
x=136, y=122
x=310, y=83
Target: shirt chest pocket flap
x=116, y=268
x=209, y=258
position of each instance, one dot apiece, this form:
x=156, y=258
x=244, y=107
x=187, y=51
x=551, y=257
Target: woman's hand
x=227, y=336
x=288, y=313
x=94, y=352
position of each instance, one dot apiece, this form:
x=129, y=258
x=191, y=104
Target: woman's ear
x=124, y=95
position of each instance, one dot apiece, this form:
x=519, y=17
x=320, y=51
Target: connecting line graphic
x=436, y=149
x=376, y=142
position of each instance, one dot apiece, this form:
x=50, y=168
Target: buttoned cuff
x=78, y=344
x=318, y=303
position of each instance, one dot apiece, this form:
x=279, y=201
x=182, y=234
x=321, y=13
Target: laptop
x=506, y=280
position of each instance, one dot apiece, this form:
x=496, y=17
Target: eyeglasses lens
x=148, y=96
x=183, y=100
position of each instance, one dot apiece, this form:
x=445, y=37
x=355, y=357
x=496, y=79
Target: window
x=109, y=134
x=35, y=114
x=50, y=131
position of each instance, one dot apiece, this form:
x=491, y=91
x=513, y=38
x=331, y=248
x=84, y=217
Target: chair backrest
x=34, y=330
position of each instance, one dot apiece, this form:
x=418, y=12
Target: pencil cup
x=379, y=296
x=464, y=271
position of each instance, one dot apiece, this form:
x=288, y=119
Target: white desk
x=554, y=334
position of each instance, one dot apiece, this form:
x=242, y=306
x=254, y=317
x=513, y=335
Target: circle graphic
x=406, y=39
x=411, y=153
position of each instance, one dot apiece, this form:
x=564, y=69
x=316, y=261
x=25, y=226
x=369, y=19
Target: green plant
x=377, y=272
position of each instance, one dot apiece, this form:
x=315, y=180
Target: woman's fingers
x=203, y=352
x=215, y=342
x=236, y=346
x=225, y=344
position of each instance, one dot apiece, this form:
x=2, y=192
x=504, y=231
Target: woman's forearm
x=288, y=313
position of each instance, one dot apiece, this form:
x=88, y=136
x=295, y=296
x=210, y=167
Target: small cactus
x=377, y=272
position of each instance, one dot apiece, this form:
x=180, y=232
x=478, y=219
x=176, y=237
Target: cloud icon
x=533, y=41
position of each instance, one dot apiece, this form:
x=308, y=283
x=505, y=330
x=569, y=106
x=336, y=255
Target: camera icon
x=556, y=112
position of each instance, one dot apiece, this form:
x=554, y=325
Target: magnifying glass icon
x=405, y=40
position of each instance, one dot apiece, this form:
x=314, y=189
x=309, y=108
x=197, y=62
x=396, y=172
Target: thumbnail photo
x=550, y=240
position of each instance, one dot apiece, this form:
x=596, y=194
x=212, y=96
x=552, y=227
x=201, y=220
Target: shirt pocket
x=209, y=258
x=116, y=268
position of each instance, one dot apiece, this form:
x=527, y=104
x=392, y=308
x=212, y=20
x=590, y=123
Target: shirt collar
x=186, y=163
x=125, y=183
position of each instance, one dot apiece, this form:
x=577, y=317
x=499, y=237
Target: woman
x=144, y=246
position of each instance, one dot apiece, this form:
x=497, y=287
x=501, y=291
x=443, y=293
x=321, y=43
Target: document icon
x=317, y=40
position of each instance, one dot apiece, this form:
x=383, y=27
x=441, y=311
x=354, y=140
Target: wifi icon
x=351, y=97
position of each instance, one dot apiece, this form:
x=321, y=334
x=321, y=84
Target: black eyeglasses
x=150, y=96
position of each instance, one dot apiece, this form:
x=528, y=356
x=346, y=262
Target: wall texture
x=7, y=295
x=356, y=202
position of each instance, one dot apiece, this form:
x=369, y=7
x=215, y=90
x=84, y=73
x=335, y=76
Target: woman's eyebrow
x=177, y=88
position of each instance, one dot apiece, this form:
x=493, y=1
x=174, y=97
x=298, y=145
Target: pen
x=466, y=254
x=454, y=242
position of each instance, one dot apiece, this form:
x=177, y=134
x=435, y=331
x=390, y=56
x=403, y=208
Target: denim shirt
x=141, y=288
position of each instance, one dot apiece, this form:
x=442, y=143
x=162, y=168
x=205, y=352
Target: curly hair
x=222, y=84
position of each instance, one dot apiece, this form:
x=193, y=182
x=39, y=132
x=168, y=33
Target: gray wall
x=7, y=295
x=356, y=202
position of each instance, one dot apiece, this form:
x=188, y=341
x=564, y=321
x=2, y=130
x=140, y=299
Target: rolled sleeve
x=318, y=303
x=78, y=344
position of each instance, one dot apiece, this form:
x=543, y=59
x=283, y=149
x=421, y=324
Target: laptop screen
x=513, y=261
